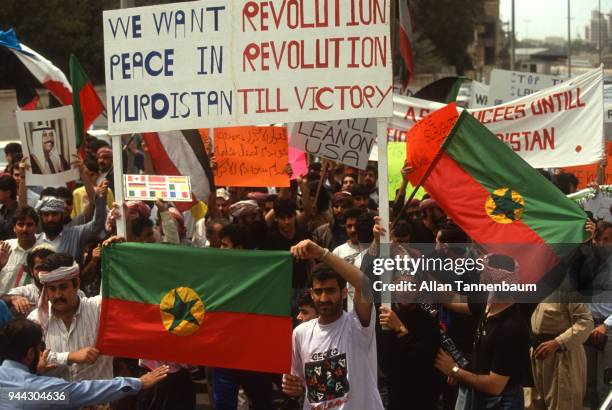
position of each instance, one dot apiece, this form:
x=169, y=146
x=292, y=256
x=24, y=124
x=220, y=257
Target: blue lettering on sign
x=159, y=106
x=212, y=55
x=125, y=26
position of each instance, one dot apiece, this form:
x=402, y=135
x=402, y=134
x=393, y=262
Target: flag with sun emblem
x=500, y=201
x=214, y=307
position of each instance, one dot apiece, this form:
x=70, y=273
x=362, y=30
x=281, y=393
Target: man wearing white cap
x=69, y=322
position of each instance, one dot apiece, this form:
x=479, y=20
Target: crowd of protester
x=348, y=352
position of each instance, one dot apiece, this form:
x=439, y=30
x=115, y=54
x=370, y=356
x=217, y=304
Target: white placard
x=480, y=95
x=48, y=140
x=510, y=85
x=221, y=63
x=347, y=141
x=557, y=127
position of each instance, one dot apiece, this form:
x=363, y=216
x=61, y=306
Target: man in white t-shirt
x=330, y=354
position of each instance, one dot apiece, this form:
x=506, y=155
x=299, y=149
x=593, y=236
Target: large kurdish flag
x=214, y=307
x=501, y=201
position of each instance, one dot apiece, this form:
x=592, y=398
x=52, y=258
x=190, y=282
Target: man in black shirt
x=500, y=360
x=286, y=235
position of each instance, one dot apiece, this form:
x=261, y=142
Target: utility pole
x=512, y=41
x=599, y=29
x=569, y=40
x=124, y=4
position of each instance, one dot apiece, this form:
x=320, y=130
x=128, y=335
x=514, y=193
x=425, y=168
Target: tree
x=449, y=25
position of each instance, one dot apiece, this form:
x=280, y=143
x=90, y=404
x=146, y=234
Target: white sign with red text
x=557, y=127
x=219, y=63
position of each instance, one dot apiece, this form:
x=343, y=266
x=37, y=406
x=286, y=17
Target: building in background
x=487, y=51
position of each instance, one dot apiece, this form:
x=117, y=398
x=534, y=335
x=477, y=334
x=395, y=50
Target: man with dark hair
x=433, y=215
x=566, y=182
x=142, y=230
x=61, y=308
x=361, y=197
x=209, y=238
x=31, y=197
x=285, y=236
x=329, y=352
x=370, y=178
x=333, y=234
x=25, y=298
x=13, y=251
x=82, y=202
x=20, y=343
x=350, y=250
x=235, y=236
x=11, y=151
x=8, y=200
x=306, y=308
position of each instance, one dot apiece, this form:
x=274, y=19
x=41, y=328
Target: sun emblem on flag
x=505, y=205
x=182, y=311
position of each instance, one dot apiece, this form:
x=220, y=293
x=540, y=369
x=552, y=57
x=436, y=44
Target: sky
x=549, y=17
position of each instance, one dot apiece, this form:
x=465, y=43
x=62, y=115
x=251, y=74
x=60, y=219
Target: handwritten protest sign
x=251, y=156
x=557, y=127
x=48, y=140
x=175, y=188
x=347, y=141
x=226, y=63
x=425, y=139
x=510, y=85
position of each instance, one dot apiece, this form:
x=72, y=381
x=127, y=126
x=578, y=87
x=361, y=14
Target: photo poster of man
x=48, y=140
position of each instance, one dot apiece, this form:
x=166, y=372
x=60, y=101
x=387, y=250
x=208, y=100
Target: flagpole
x=118, y=175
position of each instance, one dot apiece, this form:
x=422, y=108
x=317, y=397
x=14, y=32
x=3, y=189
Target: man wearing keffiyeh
x=69, y=322
x=69, y=239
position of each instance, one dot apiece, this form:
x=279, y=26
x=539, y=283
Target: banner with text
x=347, y=141
x=510, y=85
x=557, y=127
x=225, y=63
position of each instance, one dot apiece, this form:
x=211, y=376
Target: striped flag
x=87, y=106
x=182, y=153
x=406, y=39
x=32, y=69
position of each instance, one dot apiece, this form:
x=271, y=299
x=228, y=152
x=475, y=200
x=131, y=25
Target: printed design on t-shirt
x=326, y=377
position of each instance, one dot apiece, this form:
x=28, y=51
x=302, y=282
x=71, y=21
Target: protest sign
x=175, y=188
x=297, y=159
x=479, y=98
x=347, y=141
x=251, y=156
x=511, y=85
x=557, y=127
x=397, y=156
x=224, y=63
x=48, y=140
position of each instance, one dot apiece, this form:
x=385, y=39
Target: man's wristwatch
x=402, y=329
x=455, y=370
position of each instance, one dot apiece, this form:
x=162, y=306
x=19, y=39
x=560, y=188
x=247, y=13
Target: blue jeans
x=511, y=398
x=226, y=383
